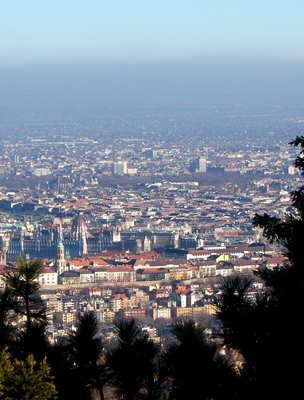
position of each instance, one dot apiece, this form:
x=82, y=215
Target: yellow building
x=180, y=274
x=178, y=312
x=210, y=309
x=107, y=315
x=223, y=257
x=64, y=317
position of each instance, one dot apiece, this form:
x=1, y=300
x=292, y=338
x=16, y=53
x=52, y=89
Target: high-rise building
x=198, y=165
x=120, y=167
x=150, y=153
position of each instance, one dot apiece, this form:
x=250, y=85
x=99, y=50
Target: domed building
x=79, y=228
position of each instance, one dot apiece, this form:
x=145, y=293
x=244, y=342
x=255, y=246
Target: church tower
x=83, y=243
x=60, y=260
x=147, y=244
x=60, y=235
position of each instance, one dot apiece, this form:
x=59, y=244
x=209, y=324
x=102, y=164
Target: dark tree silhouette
x=286, y=284
x=234, y=303
x=133, y=363
x=193, y=365
x=63, y=370
x=7, y=318
x=248, y=327
x=86, y=349
x=265, y=330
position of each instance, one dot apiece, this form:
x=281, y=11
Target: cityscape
x=151, y=200
x=132, y=221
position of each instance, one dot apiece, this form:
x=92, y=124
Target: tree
x=193, y=365
x=265, y=329
x=7, y=318
x=248, y=327
x=286, y=284
x=287, y=232
x=23, y=285
x=232, y=308
x=63, y=370
x=86, y=351
x=26, y=379
x=133, y=363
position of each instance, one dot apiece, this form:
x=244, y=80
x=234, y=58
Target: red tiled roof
x=48, y=271
x=153, y=270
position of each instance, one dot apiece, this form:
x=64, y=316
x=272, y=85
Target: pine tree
x=286, y=284
x=7, y=318
x=86, y=350
x=23, y=285
x=193, y=365
x=265, y=330
x=25, y=379
x=133, y=363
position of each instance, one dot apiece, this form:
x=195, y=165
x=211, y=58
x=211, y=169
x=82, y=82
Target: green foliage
x=23, y=279
x=23, y=285
x=26, y=380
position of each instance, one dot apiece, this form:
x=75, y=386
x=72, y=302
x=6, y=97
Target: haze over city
x=76, y=56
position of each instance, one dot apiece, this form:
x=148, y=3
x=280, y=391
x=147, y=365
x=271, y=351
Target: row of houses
x=208, y=269
x=98, y=270
x=109, y=274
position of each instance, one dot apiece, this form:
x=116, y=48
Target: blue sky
x=150, y=52
x=36, y=32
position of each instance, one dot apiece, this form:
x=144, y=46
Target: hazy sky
x=119, y=49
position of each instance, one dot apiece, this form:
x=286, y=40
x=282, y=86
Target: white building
x=48, y=277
